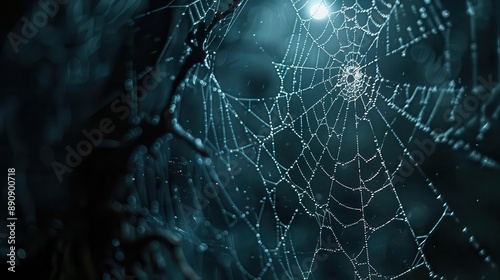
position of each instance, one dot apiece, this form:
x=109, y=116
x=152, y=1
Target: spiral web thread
x=350, y=123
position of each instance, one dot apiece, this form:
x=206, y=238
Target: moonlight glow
x=319, y=11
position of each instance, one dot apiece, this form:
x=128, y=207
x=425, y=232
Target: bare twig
x=195, y=41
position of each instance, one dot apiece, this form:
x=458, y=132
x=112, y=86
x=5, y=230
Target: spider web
x=309, y=171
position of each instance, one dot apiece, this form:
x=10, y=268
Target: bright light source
x=319, y=11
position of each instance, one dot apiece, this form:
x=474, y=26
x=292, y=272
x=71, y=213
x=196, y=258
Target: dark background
x=106, y=216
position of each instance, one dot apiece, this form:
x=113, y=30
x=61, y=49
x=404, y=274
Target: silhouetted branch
x=197, y=55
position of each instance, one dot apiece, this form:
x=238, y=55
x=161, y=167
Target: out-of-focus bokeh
x=345, y=139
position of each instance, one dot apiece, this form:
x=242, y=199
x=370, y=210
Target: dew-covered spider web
x=320, y=117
